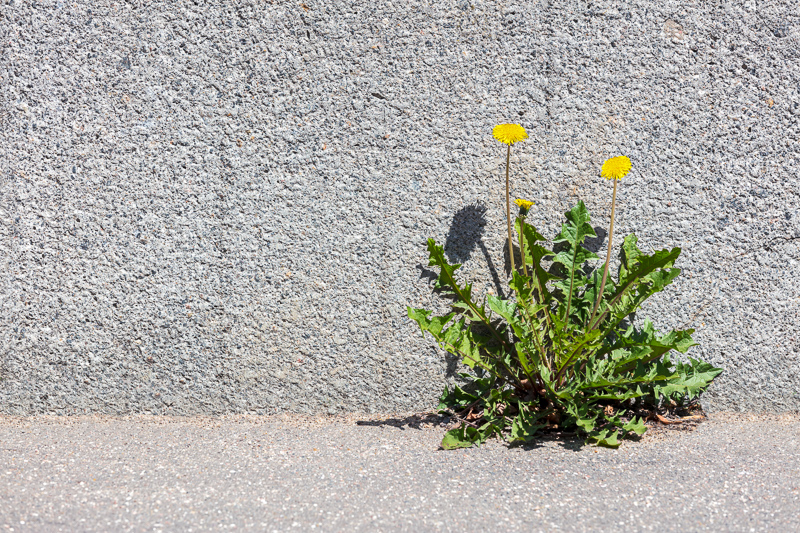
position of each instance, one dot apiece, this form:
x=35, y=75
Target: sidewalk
x=145, y=473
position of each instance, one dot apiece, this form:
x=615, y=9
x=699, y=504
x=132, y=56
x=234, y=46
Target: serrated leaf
x=645, y=345
x=455, y=399
x=526, y=424
x=534, y=254
x=521, y=287
x=434, y=325
x=640, y=276
x=505, y=308
x=605, y=438
x=582, y=416
x=463, y=295
x=461, y=437
x=689, y=380
x=577, y=227
x=572, y=257
x=635, y=425
x=524, y=360
x=531, y=235
x=457, y=338
x=586, y=424
x=576, y=349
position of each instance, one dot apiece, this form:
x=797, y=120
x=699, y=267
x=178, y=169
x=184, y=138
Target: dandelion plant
x=563, y=351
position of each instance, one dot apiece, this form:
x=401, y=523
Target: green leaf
x=534, y=254
x=505, y=308
x=586, y=423
x=640, y=277
x=462, y=295
x=433, y=325
x=637, y=264
x=458, y=338
x=525, y=360
x=462, y=437
x=645, y=345
x=519, y=284
x=531, y=235
x=605, y=437
x=689, y=380
x=456, y=399
x=577, y=227
x=526, y=424
x=572, y=257
x=635, y=425
x=590, y=295
x=576, y=348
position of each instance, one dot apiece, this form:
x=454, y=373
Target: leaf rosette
x=558, y=353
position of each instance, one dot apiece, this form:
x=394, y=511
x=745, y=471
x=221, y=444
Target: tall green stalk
x=508, y=213
x=522, y=247
x=608, y=254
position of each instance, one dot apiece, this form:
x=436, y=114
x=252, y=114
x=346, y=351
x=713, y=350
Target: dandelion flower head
x=616, y=168
x=509, y=133
x=523, y=204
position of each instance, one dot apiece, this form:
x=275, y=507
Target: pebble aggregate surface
x=282, y=473
x=222, y=207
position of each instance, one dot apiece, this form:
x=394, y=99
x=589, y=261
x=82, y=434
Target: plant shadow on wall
x=562, y=351
x=465, y=234
x=463, y=237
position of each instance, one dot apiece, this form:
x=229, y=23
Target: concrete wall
x=222, y=207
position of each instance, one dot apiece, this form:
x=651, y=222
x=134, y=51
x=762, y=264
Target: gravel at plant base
x=222, y=207
x=289, y=473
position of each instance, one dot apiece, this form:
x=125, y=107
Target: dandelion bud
x=524, y=206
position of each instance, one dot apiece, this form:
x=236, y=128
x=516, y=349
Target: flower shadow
x=466, y=234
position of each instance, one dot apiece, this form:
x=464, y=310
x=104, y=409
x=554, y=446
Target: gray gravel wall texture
x=222, y=207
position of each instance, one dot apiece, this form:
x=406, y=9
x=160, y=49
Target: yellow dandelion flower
x=616, y=168
x=509, y=133
x=523, y=204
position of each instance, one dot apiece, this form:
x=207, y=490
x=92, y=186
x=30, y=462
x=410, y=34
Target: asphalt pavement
x=732, y=472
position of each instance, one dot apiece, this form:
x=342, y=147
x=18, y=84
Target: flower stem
x=522, y=246
x=508, y=213
x=608, y=254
